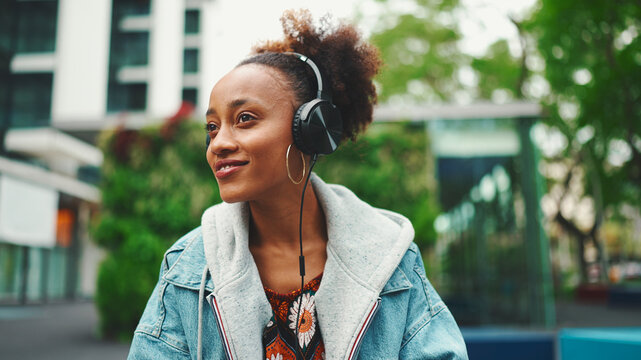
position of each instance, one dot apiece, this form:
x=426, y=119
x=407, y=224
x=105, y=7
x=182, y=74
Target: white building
x=76, y=67
x=95, y=61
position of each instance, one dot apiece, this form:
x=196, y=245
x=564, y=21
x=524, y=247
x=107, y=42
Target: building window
x=31, y=100
x=126, y=97
x=131, y=7
x=190, y=95
x=5, y=95
x=190, y=61
x=36, y=28
x=130, y=48
x=192, y=22
x=7, y=19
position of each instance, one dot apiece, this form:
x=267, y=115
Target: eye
x=245, y=117
x=211, y=127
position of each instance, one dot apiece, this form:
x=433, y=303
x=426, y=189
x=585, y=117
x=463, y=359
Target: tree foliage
x=156, y=184
x=388, y=168
x=498, y=70
x=592, y=58
x=419, y=50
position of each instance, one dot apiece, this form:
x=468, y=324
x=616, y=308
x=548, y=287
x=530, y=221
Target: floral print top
x=279, y=334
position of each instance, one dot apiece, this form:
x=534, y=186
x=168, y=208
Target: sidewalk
x=54, y=331
x=577, y=314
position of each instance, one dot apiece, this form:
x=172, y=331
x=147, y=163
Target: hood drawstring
x=201, y=299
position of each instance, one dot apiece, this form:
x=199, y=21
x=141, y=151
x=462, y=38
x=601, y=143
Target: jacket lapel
x=243, y=305
x=365, y=247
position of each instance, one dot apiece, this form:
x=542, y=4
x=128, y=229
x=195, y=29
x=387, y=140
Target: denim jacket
x=374, y=301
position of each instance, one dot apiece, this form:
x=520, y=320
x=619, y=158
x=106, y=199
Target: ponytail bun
x=347, y=63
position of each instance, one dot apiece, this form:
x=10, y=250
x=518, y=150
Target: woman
x=232, y=287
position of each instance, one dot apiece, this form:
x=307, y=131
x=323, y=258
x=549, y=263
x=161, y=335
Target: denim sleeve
x=145, y=346
x=431, y=334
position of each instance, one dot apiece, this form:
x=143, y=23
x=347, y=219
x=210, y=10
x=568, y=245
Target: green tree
x=388, y=168
x=419, y=46
x=156, y=184
x=498, y=70
x=592, y=55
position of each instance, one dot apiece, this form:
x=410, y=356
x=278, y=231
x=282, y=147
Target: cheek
x=269, y=155
x=270, y=141
x=209, y=157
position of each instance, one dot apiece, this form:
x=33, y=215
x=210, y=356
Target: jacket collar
x=365, y=246
x=184, y=262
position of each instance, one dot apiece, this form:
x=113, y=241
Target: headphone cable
x=301, y=257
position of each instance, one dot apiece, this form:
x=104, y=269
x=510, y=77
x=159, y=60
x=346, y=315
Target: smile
x=227, y=167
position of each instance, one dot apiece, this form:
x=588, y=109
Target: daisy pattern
x=276, y=357
x=306, y=321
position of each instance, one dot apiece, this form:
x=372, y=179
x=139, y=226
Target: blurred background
x=509, y=132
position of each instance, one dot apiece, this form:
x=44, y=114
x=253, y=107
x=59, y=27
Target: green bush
x=388, y=168
x=156, y=184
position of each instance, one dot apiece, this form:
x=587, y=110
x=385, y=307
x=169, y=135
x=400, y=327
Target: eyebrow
x=232, y=105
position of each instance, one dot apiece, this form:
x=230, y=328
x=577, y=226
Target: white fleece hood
x=365, y=246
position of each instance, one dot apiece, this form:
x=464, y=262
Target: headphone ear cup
x=326, y=127
x=317, y=127
x=297, y=131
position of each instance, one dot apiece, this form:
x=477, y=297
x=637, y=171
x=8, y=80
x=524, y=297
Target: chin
x=231, y=198
x=233, y=194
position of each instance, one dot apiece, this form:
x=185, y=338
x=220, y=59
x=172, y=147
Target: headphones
x=317, y=126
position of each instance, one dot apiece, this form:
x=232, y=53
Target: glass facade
x=191, y=54
x=192, y=22
x=31, y=99
x=131, y=7
x=123, y=97
x=31, y=274
x=491, y=268
x=5, y=97
x=36, y=26
x=11, y=271
x=190, y=95
x=34, y=274
x=129, y=49
x=27, y=27
x=7, y=29
x=190, y=61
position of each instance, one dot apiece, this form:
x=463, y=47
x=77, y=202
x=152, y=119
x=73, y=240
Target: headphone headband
x=308, y=61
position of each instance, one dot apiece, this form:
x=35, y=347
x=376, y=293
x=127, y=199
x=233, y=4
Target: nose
x=224, y=141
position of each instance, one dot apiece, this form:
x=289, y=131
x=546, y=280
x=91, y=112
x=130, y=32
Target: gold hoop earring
x=289, y=174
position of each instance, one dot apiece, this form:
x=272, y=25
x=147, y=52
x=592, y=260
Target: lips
x=227, y=167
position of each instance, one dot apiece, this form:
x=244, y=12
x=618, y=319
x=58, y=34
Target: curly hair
x=347, y=63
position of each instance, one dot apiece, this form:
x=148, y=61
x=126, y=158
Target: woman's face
x=249, y=122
